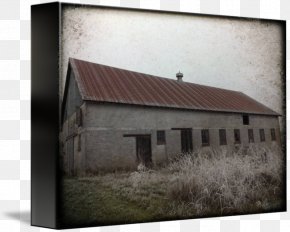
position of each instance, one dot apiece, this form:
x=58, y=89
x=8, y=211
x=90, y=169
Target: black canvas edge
x=44, y=114
x=51, y=122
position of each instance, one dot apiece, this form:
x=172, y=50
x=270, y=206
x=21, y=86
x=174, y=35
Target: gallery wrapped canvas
x=143, y=116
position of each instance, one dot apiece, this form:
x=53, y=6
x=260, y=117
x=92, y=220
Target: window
x=262, y=135
x=223, y=137
x=205, y=137
x=251, y=135
x=161, y=137
x=246, y=120
x=273, y=134
x=237, y=136
x=79, y=118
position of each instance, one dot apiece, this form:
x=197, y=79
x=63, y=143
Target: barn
x=116, y=119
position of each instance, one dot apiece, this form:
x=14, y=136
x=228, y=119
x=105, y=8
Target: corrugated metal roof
x=109, y=84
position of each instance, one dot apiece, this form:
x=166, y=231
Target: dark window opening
x=251, y=135
x=161, y=137
x=223, y=137
x=262, y=135
x=237, y=136
x=273, y=134
x=186, y=140
x=205, y=137
x=246, y=120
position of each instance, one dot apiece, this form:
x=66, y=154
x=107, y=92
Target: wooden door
x=143, y=150
x=186, y=140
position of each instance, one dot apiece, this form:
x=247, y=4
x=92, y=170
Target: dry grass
x=210, y=182
x=205, y=183
x=221, y=182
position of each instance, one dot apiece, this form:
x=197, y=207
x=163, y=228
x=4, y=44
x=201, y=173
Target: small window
x=205, y=137
x=251, y=135
x=273, y=134
x=246, y=120
x=262, y=135
x=237, y=136
x=79, y=117
x=79, y=143
x=161, y=137
x=223, y=137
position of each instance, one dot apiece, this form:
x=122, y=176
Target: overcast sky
x=237, y=54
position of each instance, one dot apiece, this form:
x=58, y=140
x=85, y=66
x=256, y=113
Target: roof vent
x=179, y=76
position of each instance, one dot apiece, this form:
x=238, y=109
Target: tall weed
x=241, y=180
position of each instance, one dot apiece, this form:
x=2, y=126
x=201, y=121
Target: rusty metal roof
x=103, y=83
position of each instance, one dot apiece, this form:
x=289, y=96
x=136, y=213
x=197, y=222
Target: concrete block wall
x=159, y=153
x=70, y=134
x=230, y=136
x=196, y=136
x=141, y=117
x=109, y=149
x=173, y=143
x=104, y=146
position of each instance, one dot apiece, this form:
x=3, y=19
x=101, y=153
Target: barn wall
x=104, y=146
x=106, y=125
x=73, y=150
x=108, y=149
x=132, y=117
x=70, y=154
x=74, y=99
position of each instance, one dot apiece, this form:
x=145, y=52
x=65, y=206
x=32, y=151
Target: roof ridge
x=154, y=76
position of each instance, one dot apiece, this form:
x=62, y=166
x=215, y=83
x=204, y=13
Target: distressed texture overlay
x=242, y=55
x=15, y=110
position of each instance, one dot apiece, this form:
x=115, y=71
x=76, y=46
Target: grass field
x=204, y=183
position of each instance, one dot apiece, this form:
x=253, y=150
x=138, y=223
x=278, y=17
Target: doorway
x=143, y=150
x=186, y=140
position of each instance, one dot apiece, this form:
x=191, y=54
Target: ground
x=202, y=184
x=96, y=200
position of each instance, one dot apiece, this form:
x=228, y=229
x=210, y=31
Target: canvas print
x=168, y=116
